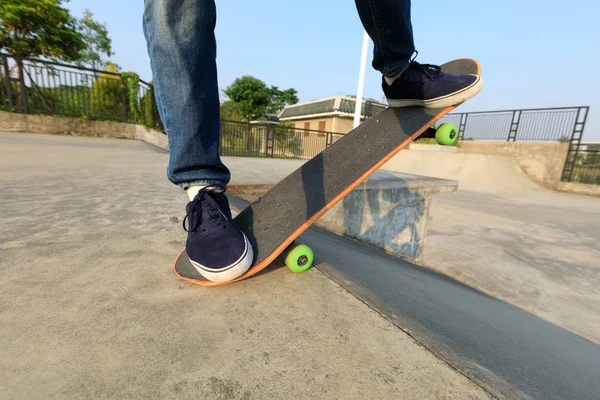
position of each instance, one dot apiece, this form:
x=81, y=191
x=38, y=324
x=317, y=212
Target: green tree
x=39, y=28
x=107, y=95
x=281, y=98
x=131, y=83
x=254, y=98
x=34, y=28
x=230, y=111
x=252, y=95
x=149, y=109
x=98, y=43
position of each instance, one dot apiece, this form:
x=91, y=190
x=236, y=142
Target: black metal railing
x=536, y=124
x=42, y=87
x=584, y=166
x=574, y=159
x=273, y=140
x=564, y=124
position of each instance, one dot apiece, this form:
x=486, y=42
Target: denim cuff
x=186, y=185
x=397, y=71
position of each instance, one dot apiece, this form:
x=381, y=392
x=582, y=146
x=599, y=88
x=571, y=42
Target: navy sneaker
x=427, y=86
x=216, y=248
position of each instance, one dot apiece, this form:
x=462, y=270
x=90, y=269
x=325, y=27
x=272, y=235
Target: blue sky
x=534, y=53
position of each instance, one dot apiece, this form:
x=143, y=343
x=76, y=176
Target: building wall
x=313, y=123
x=344, y=124
x=332, y=124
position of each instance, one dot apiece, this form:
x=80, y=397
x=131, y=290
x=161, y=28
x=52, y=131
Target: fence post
x=514, y=126
x=270, y=140
x=574, y=144
x=22, y=89
x=7, y=84
x=125, y=93
x=248, y=140
x=462, y=125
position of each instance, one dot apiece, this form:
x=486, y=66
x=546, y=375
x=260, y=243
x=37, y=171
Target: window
x=321, y=128
x=306, y=128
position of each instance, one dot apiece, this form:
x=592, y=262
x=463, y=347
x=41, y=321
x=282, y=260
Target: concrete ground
x=509, y=237
x=90, y=306
x=537, y=250
x=531, y=247
x=514, y=240
x=508, y=351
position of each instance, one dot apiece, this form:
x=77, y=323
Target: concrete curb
x=389, y=211
x=15, y=122
x=579, y=188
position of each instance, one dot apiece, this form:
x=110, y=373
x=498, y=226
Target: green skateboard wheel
x=446, y=134
x=299, y=258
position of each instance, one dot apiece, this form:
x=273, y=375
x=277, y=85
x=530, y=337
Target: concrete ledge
x=543, y=162
x=15, y=122
x=579, y=188
x=389, y=211
x=152, y=137
x=475, y=172
x=433, y=147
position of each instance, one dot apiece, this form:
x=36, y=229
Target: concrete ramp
x=474, y=172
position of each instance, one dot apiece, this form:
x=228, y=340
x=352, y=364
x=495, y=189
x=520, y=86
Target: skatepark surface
x=92, y=309
x=513, y=239
x=537, y=251
x=483, y=173
x=501, y=233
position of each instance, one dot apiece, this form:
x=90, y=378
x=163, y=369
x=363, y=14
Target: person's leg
x=405, y=82
x=389, y=25
x=182, y=49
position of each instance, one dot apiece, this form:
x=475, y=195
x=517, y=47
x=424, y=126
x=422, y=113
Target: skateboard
x=274, y=220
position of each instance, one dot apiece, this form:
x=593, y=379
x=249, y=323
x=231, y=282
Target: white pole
x=361, y=80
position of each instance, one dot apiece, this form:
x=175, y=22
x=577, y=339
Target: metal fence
x=582, y=166
x=42, y=87
x=565, y=124
x=537, y=124
x=273, y=140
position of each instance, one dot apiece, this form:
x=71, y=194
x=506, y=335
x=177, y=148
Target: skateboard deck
x=274, y=220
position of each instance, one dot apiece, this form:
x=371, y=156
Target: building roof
x=330, y=106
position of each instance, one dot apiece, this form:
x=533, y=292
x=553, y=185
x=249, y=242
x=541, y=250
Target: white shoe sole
x=230, y=272
x=442, y=102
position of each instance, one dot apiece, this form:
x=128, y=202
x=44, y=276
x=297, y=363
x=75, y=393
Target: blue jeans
x=182, y=49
